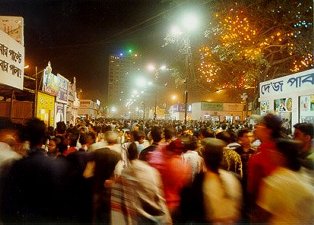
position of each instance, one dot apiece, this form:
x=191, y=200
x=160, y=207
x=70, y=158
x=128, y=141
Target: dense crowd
x=110, y=171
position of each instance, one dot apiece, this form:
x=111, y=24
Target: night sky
x=78, y=36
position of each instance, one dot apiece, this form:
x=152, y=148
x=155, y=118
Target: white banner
x=11, y=61
x=302, y=81
x=13, y=26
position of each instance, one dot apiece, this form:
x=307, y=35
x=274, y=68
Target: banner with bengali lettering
x=291, y=83
x=11, y=61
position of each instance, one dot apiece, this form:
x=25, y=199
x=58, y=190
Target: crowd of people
x=136, y=172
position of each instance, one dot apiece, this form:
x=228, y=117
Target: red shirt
x=260, y=166
x=175, y=174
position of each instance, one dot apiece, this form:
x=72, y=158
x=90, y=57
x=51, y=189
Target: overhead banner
x=14, y=27
x=11, y=61
x=288, y=84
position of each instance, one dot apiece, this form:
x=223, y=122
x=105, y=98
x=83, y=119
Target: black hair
x=242, y=132
x=156, y=133
x=34, y=131
x=213, y=153
x=132, y=151
x=290, y=150
x=305, y=128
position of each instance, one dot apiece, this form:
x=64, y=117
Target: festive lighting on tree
x=245, y=46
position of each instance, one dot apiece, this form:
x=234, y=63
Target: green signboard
x=211, y=106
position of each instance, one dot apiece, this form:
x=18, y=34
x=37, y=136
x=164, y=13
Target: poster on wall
x=45, y=108
x=286, y=118
x=307, y=103
x=264, y=107
x=307, y=109
x=283, y=105
x=60, y=112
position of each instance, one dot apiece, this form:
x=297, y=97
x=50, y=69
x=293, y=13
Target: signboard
x=45, y=108
x=51, y=83
x=288, y=84
x=14, y=27
x=11, y=61
x=211, y=106
x=62, y=95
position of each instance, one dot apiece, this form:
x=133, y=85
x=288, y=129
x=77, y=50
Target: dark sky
x=78, y=36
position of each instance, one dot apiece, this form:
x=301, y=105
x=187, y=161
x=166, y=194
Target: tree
x=248, y=42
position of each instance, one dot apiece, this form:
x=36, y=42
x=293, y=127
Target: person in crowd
x=261, y=164
x=137, y=195
x=33, y=188
x=112, y=141
x=215, y=195
x=169, y=134
x=156, y=134
x=100, y=171
x=8, y=143
x=72, y=137
x=284, y=197
x=245, y=151
x=52, y=147
x=190, y=156
x=304, y=132
x=140, y=140
x=231, y=159
x=175, y=174
x=60, y=129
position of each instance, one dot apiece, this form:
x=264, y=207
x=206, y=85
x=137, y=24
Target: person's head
x=244, y=137
x=111, y=137
x=132, y=151
x=206, y=133
x=288, y=153
x=52, y=146
x=212, y=153
x=225, y=136
x=156, y=133
x=304, y=133
x=34, y=131
x=190, y=143
x=269, y=127
x=176, y=147
x=169, y=133
x=90, y=138
x=61, y=128
x=73, y=136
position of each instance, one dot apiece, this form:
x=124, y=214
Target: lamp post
x=189, y=23
x=156, y=71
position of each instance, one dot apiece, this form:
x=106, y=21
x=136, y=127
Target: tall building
x=121, y=70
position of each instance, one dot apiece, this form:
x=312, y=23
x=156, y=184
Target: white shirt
x=222, y=197
x=287, y=196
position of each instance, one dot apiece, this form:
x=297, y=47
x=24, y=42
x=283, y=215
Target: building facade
x=121, y=70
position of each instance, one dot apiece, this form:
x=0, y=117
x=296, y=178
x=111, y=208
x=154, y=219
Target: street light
x=189, y=23
x=152, y=68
